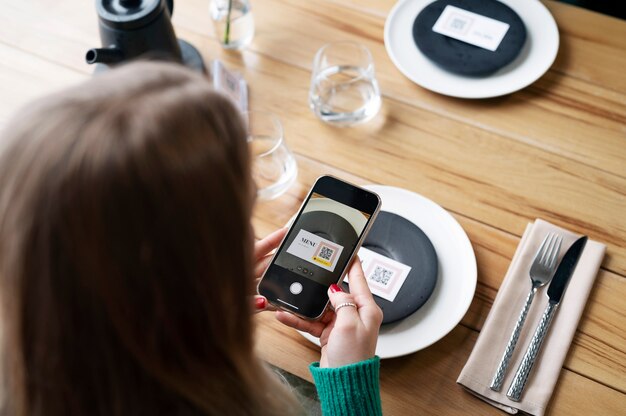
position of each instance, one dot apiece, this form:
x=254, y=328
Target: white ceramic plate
x=536, y=57
x=456, y=279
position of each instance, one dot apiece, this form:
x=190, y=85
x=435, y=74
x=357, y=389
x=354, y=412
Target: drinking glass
x=344, y=90
x=233, y=22
x=274, y=168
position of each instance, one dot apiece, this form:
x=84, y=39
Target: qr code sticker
x=457, y=24
x=382, y=275
x=326, y=253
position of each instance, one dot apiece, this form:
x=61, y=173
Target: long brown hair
x=126, y=252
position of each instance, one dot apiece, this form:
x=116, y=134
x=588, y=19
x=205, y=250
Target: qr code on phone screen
x=326, y=253
x=381, y=275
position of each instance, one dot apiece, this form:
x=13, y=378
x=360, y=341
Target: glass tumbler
x=233, y=23
x=344, y=90
x=274, y=167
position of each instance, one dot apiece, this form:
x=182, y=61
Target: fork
x=541, y=271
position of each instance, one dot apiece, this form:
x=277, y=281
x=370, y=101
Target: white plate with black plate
x=456, y=280
x=535, y=58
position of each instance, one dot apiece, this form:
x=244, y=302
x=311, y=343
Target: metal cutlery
x=555, y=294
x=541, y=271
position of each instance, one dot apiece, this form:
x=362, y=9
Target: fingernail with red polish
x=260, y=303
x=334, y=288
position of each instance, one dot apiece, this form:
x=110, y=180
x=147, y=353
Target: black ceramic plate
x=401, y=240
x=462, y=58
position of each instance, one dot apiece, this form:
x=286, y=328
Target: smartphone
x=319, y=246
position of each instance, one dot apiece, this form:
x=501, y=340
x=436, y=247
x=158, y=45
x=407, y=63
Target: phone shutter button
x=295, y=288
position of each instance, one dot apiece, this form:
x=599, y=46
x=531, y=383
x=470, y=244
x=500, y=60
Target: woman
x=127, y=261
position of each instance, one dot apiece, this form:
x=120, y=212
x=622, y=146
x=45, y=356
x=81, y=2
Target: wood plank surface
x=555, y=150
x=502, y=182
x=500, y=115
x=571, y=126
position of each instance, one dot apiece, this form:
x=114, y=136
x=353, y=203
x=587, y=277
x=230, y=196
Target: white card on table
x=472, y=28
x=384, y=276
x=230, y=83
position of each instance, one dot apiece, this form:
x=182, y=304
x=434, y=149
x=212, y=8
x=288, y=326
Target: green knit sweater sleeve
x=349, y=390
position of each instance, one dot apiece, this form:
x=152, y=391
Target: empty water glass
x=344, y=90
x=233, y=22
x=274, y=167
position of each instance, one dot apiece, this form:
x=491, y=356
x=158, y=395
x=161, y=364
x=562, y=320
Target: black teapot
x=131, y=29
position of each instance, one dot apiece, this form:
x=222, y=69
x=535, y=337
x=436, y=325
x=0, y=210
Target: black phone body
x=319, y=246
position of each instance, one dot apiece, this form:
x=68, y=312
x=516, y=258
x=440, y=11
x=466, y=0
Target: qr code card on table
x=384, y=276
x=230, y=83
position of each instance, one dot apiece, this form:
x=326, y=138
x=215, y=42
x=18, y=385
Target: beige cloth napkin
x=478, y=372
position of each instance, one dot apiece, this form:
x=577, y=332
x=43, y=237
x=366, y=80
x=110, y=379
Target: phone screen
x=322, y=240
x=318, y=247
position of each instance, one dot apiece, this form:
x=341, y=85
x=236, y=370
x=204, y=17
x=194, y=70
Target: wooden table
x=555, y=150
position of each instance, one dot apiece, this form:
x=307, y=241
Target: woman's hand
x=348, y=334
x=262, y=257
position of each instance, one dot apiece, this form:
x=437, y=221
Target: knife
x=555, y=294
